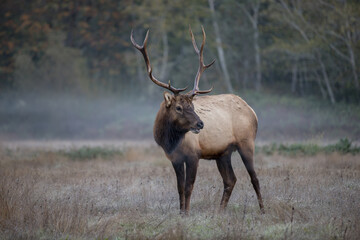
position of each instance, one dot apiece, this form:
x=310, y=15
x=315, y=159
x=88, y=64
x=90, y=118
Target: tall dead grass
x=46, y=195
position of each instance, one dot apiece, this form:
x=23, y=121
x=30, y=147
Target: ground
x=128, y=191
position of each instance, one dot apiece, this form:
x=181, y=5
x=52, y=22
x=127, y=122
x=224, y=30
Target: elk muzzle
x=199, y=126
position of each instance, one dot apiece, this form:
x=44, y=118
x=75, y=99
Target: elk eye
x=178, y=108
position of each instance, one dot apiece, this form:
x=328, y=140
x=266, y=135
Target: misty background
x=68, y=69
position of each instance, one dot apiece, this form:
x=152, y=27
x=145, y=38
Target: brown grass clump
x=132, y=195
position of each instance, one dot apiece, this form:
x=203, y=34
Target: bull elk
x=189, y=127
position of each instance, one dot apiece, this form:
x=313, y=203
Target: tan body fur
x=228, y=121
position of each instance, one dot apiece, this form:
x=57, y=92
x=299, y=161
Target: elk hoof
x=262, y=210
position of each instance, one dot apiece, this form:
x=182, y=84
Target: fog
x=70, y=117
x=88, y=118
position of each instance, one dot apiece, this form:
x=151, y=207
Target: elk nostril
x=200, y=124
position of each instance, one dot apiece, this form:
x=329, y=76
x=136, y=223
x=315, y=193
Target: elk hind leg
x=247, y=155
x=228, y=176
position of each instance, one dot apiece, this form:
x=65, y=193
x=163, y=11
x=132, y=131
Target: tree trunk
x=220, y=49
x=327, y=82
x=294, y=77
x=353, y=65
x=301, y=84
x=304, y=75
x=246, y=73
x=164, y=60
x=318, y=80
x=254, y=23
x=257, y=50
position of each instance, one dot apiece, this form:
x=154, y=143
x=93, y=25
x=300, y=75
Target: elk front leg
x=228, y=176
x=180, y=176
x=191, y=169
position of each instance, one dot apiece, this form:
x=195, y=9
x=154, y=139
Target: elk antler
x=202, y=66
x=142, y=49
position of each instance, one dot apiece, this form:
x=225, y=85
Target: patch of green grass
x=343, y=146
x=299, y=149
x=205, y=229
x=85, y=153
x=276, y=231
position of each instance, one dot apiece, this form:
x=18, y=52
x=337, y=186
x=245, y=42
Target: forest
x=307, y=48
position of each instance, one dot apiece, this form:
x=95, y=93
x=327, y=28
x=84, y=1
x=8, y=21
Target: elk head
x=179, y=108
x=180, y=112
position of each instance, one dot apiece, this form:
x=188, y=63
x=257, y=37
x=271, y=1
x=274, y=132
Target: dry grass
x=132, y=195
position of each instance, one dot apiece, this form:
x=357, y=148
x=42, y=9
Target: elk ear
x=167, y=98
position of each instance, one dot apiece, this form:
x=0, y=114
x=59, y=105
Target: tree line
x=305, y=48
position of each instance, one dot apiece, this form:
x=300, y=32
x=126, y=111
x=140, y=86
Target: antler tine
x=202, y=66
x=193, y=40
x=142, y=49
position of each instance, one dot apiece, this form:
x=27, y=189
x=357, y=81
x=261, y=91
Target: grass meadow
x=130, y=193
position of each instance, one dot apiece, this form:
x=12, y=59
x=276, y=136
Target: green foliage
x=59, y=68
x=88, y=153
x=343, y=146
x=267, y=149
x=94, y=55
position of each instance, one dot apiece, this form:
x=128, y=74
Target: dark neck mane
x=165, y=133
